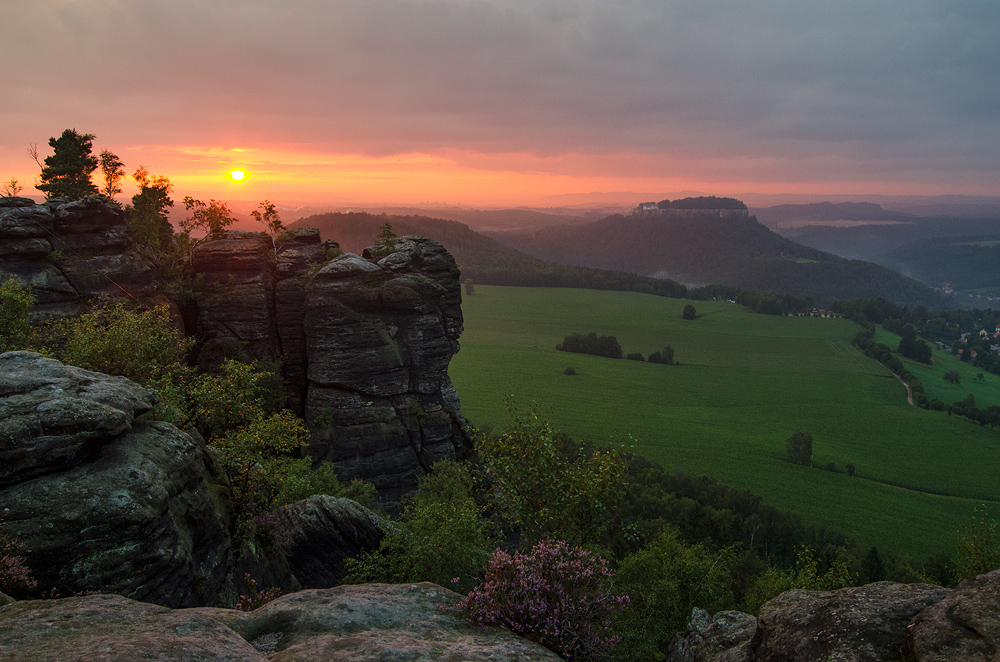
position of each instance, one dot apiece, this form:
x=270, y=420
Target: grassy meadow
x=745, y=383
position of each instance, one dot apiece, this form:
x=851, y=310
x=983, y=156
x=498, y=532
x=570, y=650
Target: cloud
x=874, y=88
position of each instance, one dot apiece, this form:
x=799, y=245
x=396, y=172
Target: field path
x=909, y=389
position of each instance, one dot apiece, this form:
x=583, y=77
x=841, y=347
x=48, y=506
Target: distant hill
x=965, y=263
x=707, y=249
x=484, y=260
x=780, y=215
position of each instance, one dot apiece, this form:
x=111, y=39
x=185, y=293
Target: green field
x=746, y=382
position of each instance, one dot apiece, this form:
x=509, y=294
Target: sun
x=237, y=175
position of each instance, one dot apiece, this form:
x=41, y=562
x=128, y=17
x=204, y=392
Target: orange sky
x=513, y=102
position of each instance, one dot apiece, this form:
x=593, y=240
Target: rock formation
x=369, y=622
x=364, y=343
x=107, y=502
x=69, y=251
x=964, y=626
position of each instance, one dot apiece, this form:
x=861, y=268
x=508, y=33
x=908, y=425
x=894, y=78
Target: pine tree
x=66, y=174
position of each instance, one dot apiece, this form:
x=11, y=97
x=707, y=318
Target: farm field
x=746, y=382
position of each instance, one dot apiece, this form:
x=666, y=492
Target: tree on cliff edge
x=66, y=174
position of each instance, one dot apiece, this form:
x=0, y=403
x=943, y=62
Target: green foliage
x=808, y=574
x=665, y=580
x=665, y=357
x=255, y=598
x=231, y=399
x=978, y=552
x=117, y=339
x=953, y=376
x=267, y=215
x=385, y=240
x=147, y=215
x=799, y=448
x=113, y=171
x=591, y=343
x=66, y=174
x=440, y=536
x=635, y=356
x=540, y=481
x=15, y=316
x=11, y=188
x=212, y=217
x=689, y=312
x=301, y=481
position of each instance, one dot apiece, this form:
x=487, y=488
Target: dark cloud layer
x=783, y=89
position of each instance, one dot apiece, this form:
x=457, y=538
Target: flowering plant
x=552, y=595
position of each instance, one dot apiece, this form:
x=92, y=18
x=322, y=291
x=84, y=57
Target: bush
x=591, y=343
x=850, y=469
x=117, y=339
x=14, y=575
x=15, y=309
x=978, y=552
x=799, y=448
x=806, y=575
x=255, y=598
x=953, y=376
x=635, y=356
x=439, y=538
x=666, y=357
x=553, y=595
x=664, y=581
x=689, y=312
x=545, y=491
x=569, y=371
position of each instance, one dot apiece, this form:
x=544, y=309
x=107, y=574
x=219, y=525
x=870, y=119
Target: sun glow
x=237, y=175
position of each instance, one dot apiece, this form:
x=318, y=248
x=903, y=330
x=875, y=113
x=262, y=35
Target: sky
x=512, y=102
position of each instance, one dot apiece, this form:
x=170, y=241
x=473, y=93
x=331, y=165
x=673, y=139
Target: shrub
x=117, y=339
x=850, y=469
x=689, y=313
x=666, y=357
x=799, y=448
x=440, y=536
x=664, y=581
x=553, y=595
x=255, y=598
x=953, y=376
x=545, y=491
x=591, y=343
x=14, y=575
x=635, y=356
x=301, y=481
x=15, y=309
x=806, y=575
x=569, y=371
x=977, y=549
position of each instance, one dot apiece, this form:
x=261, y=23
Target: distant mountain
x=965, y=263
x=780, y=215
x=484, y=260
x=707, y=249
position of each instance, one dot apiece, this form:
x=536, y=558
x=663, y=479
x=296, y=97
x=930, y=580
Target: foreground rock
x=366, y=622
x=724, y=637
x=964, y=626
x=320, y=532
x=103, y=501
x=862, y=624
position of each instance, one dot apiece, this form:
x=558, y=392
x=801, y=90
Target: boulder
x=320, y=532
x=102, y=501
x=413, y=622
x=861, y=624
x=724, y=637
x=53, y=416
x=963, y=626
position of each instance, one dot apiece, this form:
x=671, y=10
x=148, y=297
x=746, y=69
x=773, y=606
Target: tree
x=114, y=172
x=147, y=216
x=66, y=174
x=267, y=214
x=800, y=448
x=689, y=312
x=15, y=310
x=213, y=218
x=953, y=376
x=11, y=189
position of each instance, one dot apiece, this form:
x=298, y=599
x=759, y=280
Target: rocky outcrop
x=71, y=251
x=857, y=624
x=963, y=626
x=104, y=501
x=861, y=624
x=320, y=532
x=369, y=622
x=380, y=333
x=724, y=637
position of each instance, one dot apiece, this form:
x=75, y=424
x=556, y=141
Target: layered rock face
x=104, y=501
x=365, y=342
x=70, y=251
x=369, y=622
x=379, y=336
